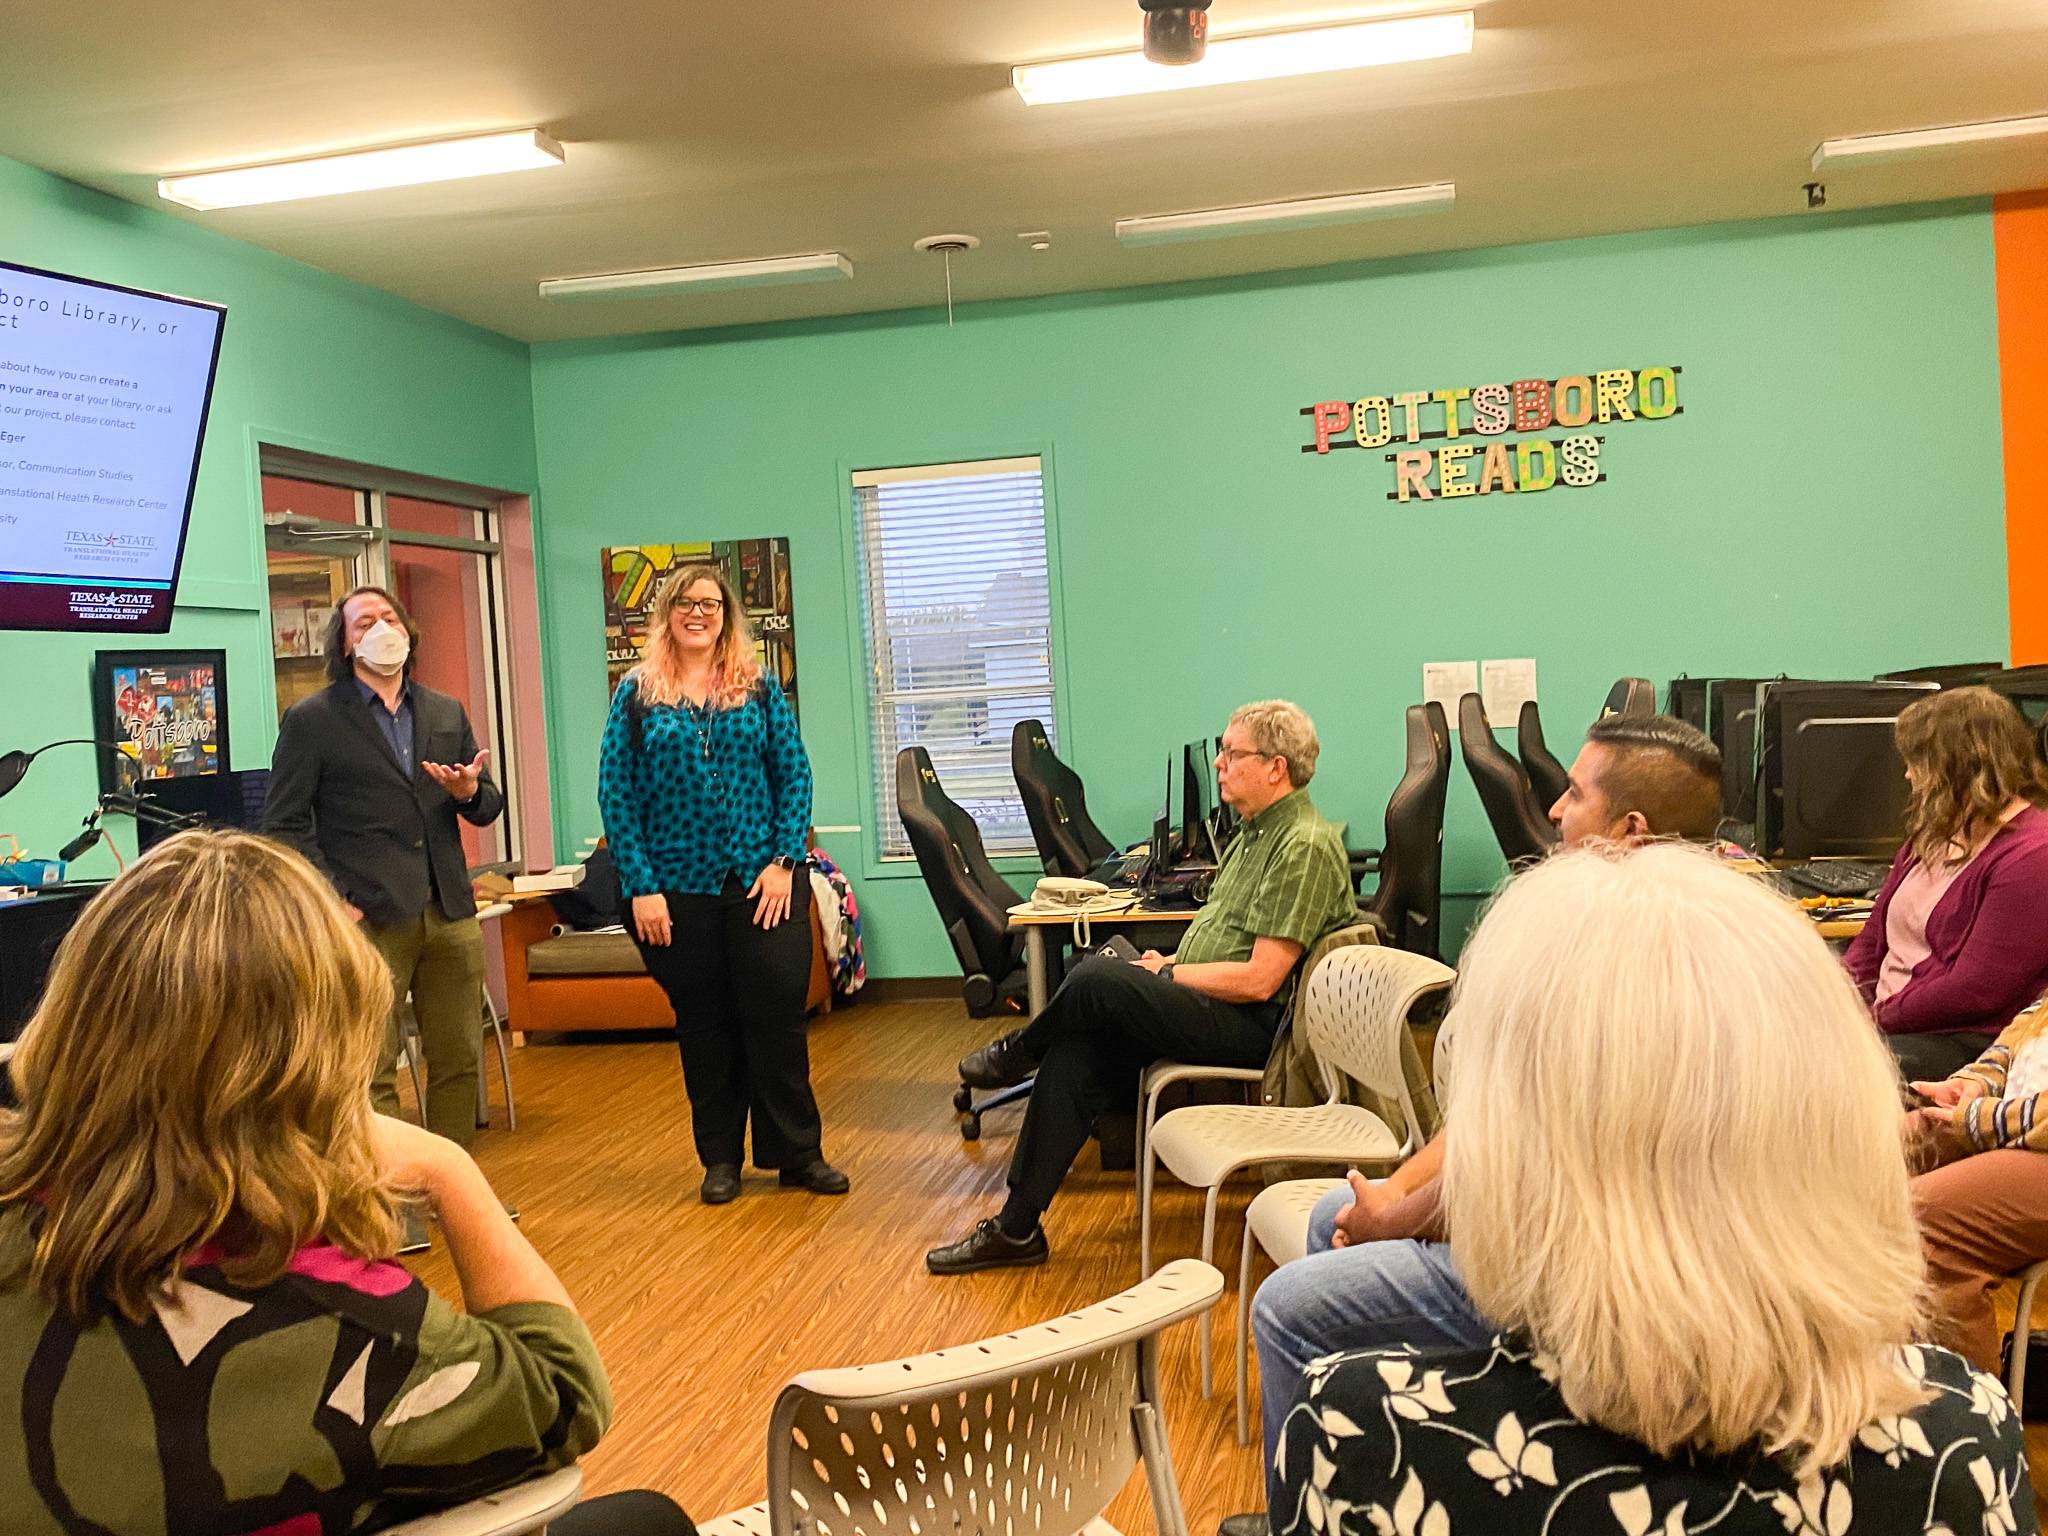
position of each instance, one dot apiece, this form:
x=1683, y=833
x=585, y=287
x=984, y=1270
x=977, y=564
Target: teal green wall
x=309, y=361
x=1829, y=502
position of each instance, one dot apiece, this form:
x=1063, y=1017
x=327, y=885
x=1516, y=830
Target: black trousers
x=1933, y=1055
x=1108, y=1022
x=738, y=995
x=638, y=1513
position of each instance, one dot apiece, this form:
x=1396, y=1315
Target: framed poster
x=167, y=709
x=757, y=570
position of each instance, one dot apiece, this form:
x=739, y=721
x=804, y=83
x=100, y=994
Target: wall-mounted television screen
x=103, y=399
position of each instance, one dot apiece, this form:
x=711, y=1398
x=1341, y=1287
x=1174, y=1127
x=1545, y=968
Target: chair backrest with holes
x=1440, y=1065
x=1357, y=1005
x=1028, y=1434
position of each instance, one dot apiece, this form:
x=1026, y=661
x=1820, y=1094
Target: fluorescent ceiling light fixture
x=1257, y=56
x=409, y=165
x=1271, y=218
x=824, y=267
x=1881, y=148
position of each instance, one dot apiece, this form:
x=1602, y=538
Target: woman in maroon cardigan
x=1958, y=942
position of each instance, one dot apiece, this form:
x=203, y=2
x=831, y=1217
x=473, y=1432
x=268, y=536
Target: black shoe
x=721, y=1184
x=818, y=1176
x=1245, y=1525
x=987, y=1247
x=999, y=1064
x=412, y=1230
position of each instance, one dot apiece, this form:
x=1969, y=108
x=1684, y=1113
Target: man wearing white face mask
x=367, y=781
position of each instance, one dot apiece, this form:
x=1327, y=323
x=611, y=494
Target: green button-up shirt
x=1284, y=876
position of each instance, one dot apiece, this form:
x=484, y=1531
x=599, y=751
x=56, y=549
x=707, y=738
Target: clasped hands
x=1933, y=1132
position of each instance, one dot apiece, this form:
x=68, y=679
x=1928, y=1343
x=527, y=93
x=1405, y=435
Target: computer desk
x=1036, y=926
x=1836, y=930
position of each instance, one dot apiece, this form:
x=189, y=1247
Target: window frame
x=372, y=487
x=879, y=799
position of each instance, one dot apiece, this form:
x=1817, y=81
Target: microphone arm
x=147, y=811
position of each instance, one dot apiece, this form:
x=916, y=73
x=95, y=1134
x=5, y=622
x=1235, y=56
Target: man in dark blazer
x=367, y=780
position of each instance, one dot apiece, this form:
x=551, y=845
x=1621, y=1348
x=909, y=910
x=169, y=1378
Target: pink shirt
x=1905, y=924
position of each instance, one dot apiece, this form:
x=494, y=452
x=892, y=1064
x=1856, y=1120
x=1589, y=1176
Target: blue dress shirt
x=395, y=724
x=706, y=795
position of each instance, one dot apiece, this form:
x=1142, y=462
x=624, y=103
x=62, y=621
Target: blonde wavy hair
x=735, y=670
x=1639, y=1032
x=1972, y=754
x=198, y=1073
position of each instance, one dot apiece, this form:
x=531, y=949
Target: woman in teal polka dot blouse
x=706, y=797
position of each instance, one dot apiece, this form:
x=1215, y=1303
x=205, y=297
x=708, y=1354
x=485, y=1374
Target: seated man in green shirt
x=1283, y=884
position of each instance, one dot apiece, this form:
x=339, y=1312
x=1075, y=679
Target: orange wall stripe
x=2019, y=233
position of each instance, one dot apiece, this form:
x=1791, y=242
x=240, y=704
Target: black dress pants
x=1108, y=1022
x=738, y=995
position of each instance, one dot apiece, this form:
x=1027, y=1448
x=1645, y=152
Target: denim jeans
x=1373, y=1296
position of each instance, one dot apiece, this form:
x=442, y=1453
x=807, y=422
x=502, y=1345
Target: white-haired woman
x=1696, y=1328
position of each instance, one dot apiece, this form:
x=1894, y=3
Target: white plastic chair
x=523, y=1507
x=1277, y=1221
x=1031, y=1433
x=1353, y=1011
x=1159, y=1077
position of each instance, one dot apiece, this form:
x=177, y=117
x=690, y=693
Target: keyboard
x=1839, y=877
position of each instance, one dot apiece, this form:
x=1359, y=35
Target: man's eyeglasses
x=1232, y=754
x=708, y=606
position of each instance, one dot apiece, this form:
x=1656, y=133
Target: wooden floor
x=703, y=1314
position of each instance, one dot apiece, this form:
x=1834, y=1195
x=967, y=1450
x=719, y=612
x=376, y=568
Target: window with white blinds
x=959, y=632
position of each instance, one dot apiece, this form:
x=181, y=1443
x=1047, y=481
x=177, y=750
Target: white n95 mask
x=384, y=647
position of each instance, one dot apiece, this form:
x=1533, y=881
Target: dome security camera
x=1176, y=33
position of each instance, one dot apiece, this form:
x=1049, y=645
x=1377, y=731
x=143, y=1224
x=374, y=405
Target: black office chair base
x=965, y=1103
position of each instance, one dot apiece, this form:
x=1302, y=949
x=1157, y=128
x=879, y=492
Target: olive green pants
x=441, y=964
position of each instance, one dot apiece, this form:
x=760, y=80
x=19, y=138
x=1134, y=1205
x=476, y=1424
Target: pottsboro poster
x=756, y=569
x=168, y=712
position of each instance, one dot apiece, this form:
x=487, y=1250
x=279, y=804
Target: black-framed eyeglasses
x=708, y=606
x=1232, y=754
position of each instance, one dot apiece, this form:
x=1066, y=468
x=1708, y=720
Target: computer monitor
x=1831, y=783
x=1159, y=860
x=1957, y=675
x=2025, y=686
x=1685, y=698
x=1198, y=800
x=1731, y=724
x=224, y=799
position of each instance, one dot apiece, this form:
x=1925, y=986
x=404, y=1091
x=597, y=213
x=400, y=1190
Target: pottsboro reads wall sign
x=1489, y=412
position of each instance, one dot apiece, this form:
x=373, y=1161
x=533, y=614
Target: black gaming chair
x=1547, y=776
x=1519, y=824
x=1630, y=696
x=1055, y=804
x=973, y=902
x=1406, y=902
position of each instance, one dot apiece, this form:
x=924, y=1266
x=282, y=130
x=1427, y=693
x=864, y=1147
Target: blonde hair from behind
x=198, y=1072
x=1280, y=728
x=735, y=669
x=1678, y=1165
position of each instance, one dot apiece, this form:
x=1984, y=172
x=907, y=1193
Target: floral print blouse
x=1446, y=1442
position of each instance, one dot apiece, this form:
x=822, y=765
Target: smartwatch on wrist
x=783, y=861
x=1165, y=972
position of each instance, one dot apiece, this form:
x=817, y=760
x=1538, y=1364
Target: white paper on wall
x=1505, y=686
x=1447, y=682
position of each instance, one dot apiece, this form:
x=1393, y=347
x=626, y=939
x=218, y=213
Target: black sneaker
x=999, y=1064
x=818, y=1176
x=1245, y=1525
x=987, y=1247
x=721, y=1184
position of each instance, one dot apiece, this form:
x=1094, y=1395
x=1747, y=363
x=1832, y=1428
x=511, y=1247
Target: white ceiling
x=701, y=132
